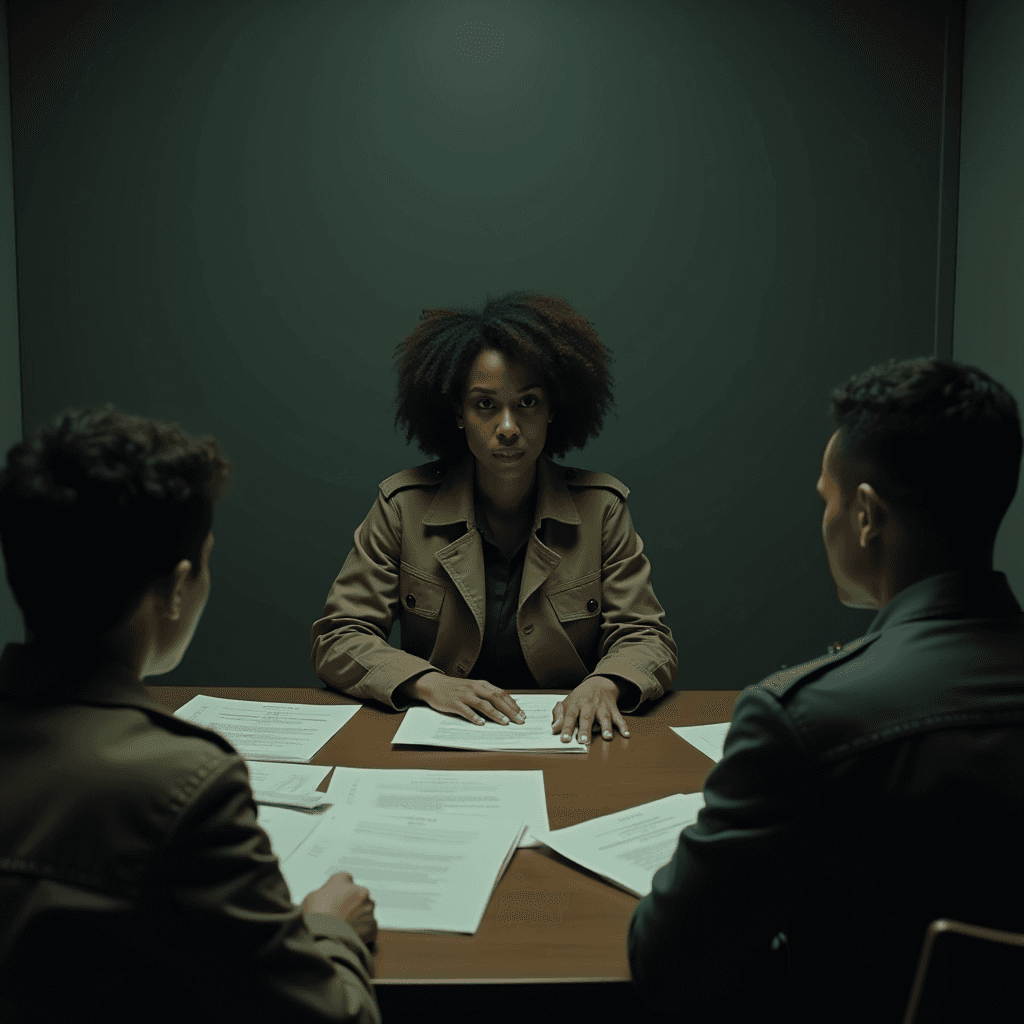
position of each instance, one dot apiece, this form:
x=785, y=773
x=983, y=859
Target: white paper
x=292, y=785
x=427, y=727
x=425, y=872
x=287, y=828
x=627, y=848
x=708, y=739
x=473, y=796
x=267, y=730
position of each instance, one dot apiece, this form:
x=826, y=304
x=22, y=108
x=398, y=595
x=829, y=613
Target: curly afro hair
x=119, y=500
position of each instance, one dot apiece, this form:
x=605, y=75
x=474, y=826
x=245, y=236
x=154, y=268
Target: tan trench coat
x=586, y=605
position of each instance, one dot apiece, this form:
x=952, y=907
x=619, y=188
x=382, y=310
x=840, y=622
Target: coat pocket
x=418, y=595
x=577, y=605
x=579, y=599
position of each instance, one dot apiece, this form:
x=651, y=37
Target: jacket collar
x=455, y=501
x=967, y=594
x=36, y=674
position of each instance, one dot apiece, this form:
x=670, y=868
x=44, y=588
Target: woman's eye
x=533, y=397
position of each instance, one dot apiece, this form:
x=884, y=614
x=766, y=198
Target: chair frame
x=942, y=925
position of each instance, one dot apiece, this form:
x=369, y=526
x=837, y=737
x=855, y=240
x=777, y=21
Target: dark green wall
x=228, y=215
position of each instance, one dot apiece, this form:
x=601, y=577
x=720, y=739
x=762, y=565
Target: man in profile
x=880, y=787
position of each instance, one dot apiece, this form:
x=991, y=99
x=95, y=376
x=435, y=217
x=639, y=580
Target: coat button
x=410, y=600
x=592, y=605
x=528, y=628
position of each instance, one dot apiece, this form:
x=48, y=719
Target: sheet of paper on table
x=287, y=828
x=708, y=739
x=627, y=848
x=427, y=727
x=267, y=730
x=425, y=872
x=472, y=796
x=290, y=785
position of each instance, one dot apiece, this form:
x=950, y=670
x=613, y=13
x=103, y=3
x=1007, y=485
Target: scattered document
x=287, y=828
x=425, y=872
x=708, y=739
x=628, y=847
x=267, y=730
x=427, y=727
x=472, y=796
x=291, y=785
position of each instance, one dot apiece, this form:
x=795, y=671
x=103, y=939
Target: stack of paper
x=287, y=829
x=290, y=785
x=471, y=795
x=425, y=872
x=416, y=817
x=427, y=727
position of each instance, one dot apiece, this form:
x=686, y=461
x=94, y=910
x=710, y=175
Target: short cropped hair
x=939, y=441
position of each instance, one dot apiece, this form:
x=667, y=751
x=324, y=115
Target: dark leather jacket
x=860, y=796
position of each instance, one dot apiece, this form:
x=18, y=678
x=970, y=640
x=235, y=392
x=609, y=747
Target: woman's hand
x=469, y=698
x=593, y=699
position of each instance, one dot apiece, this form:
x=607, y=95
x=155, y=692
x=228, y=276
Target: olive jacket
x=135, y=878
x=586, y=605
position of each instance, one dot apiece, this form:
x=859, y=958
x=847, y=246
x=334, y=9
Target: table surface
x=549, y=919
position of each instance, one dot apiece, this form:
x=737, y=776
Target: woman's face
x=504, y=409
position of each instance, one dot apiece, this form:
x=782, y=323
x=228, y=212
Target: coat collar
x=455, y=501
x=36, y=674
x=967, y=594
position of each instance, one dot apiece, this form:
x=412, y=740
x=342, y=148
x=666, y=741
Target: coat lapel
x=463, y=559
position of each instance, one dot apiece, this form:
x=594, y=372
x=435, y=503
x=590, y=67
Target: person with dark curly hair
x=835, y=827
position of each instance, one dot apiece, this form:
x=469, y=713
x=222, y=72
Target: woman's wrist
x=413, y=688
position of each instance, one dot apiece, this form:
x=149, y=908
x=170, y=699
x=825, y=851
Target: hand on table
x=454, y=696
x=592, y=703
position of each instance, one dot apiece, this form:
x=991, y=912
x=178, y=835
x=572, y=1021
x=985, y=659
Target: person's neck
x=910, y=568
x=508, y=504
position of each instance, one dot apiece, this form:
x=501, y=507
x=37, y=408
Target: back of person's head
x=98, y=506
x=939, y=441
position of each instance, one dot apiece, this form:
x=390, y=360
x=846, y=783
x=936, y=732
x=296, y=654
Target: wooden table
x=550, y=922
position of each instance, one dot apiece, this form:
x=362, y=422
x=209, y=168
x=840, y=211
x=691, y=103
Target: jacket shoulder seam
x=786, y=681
x=583, y=478
x=428, y=475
